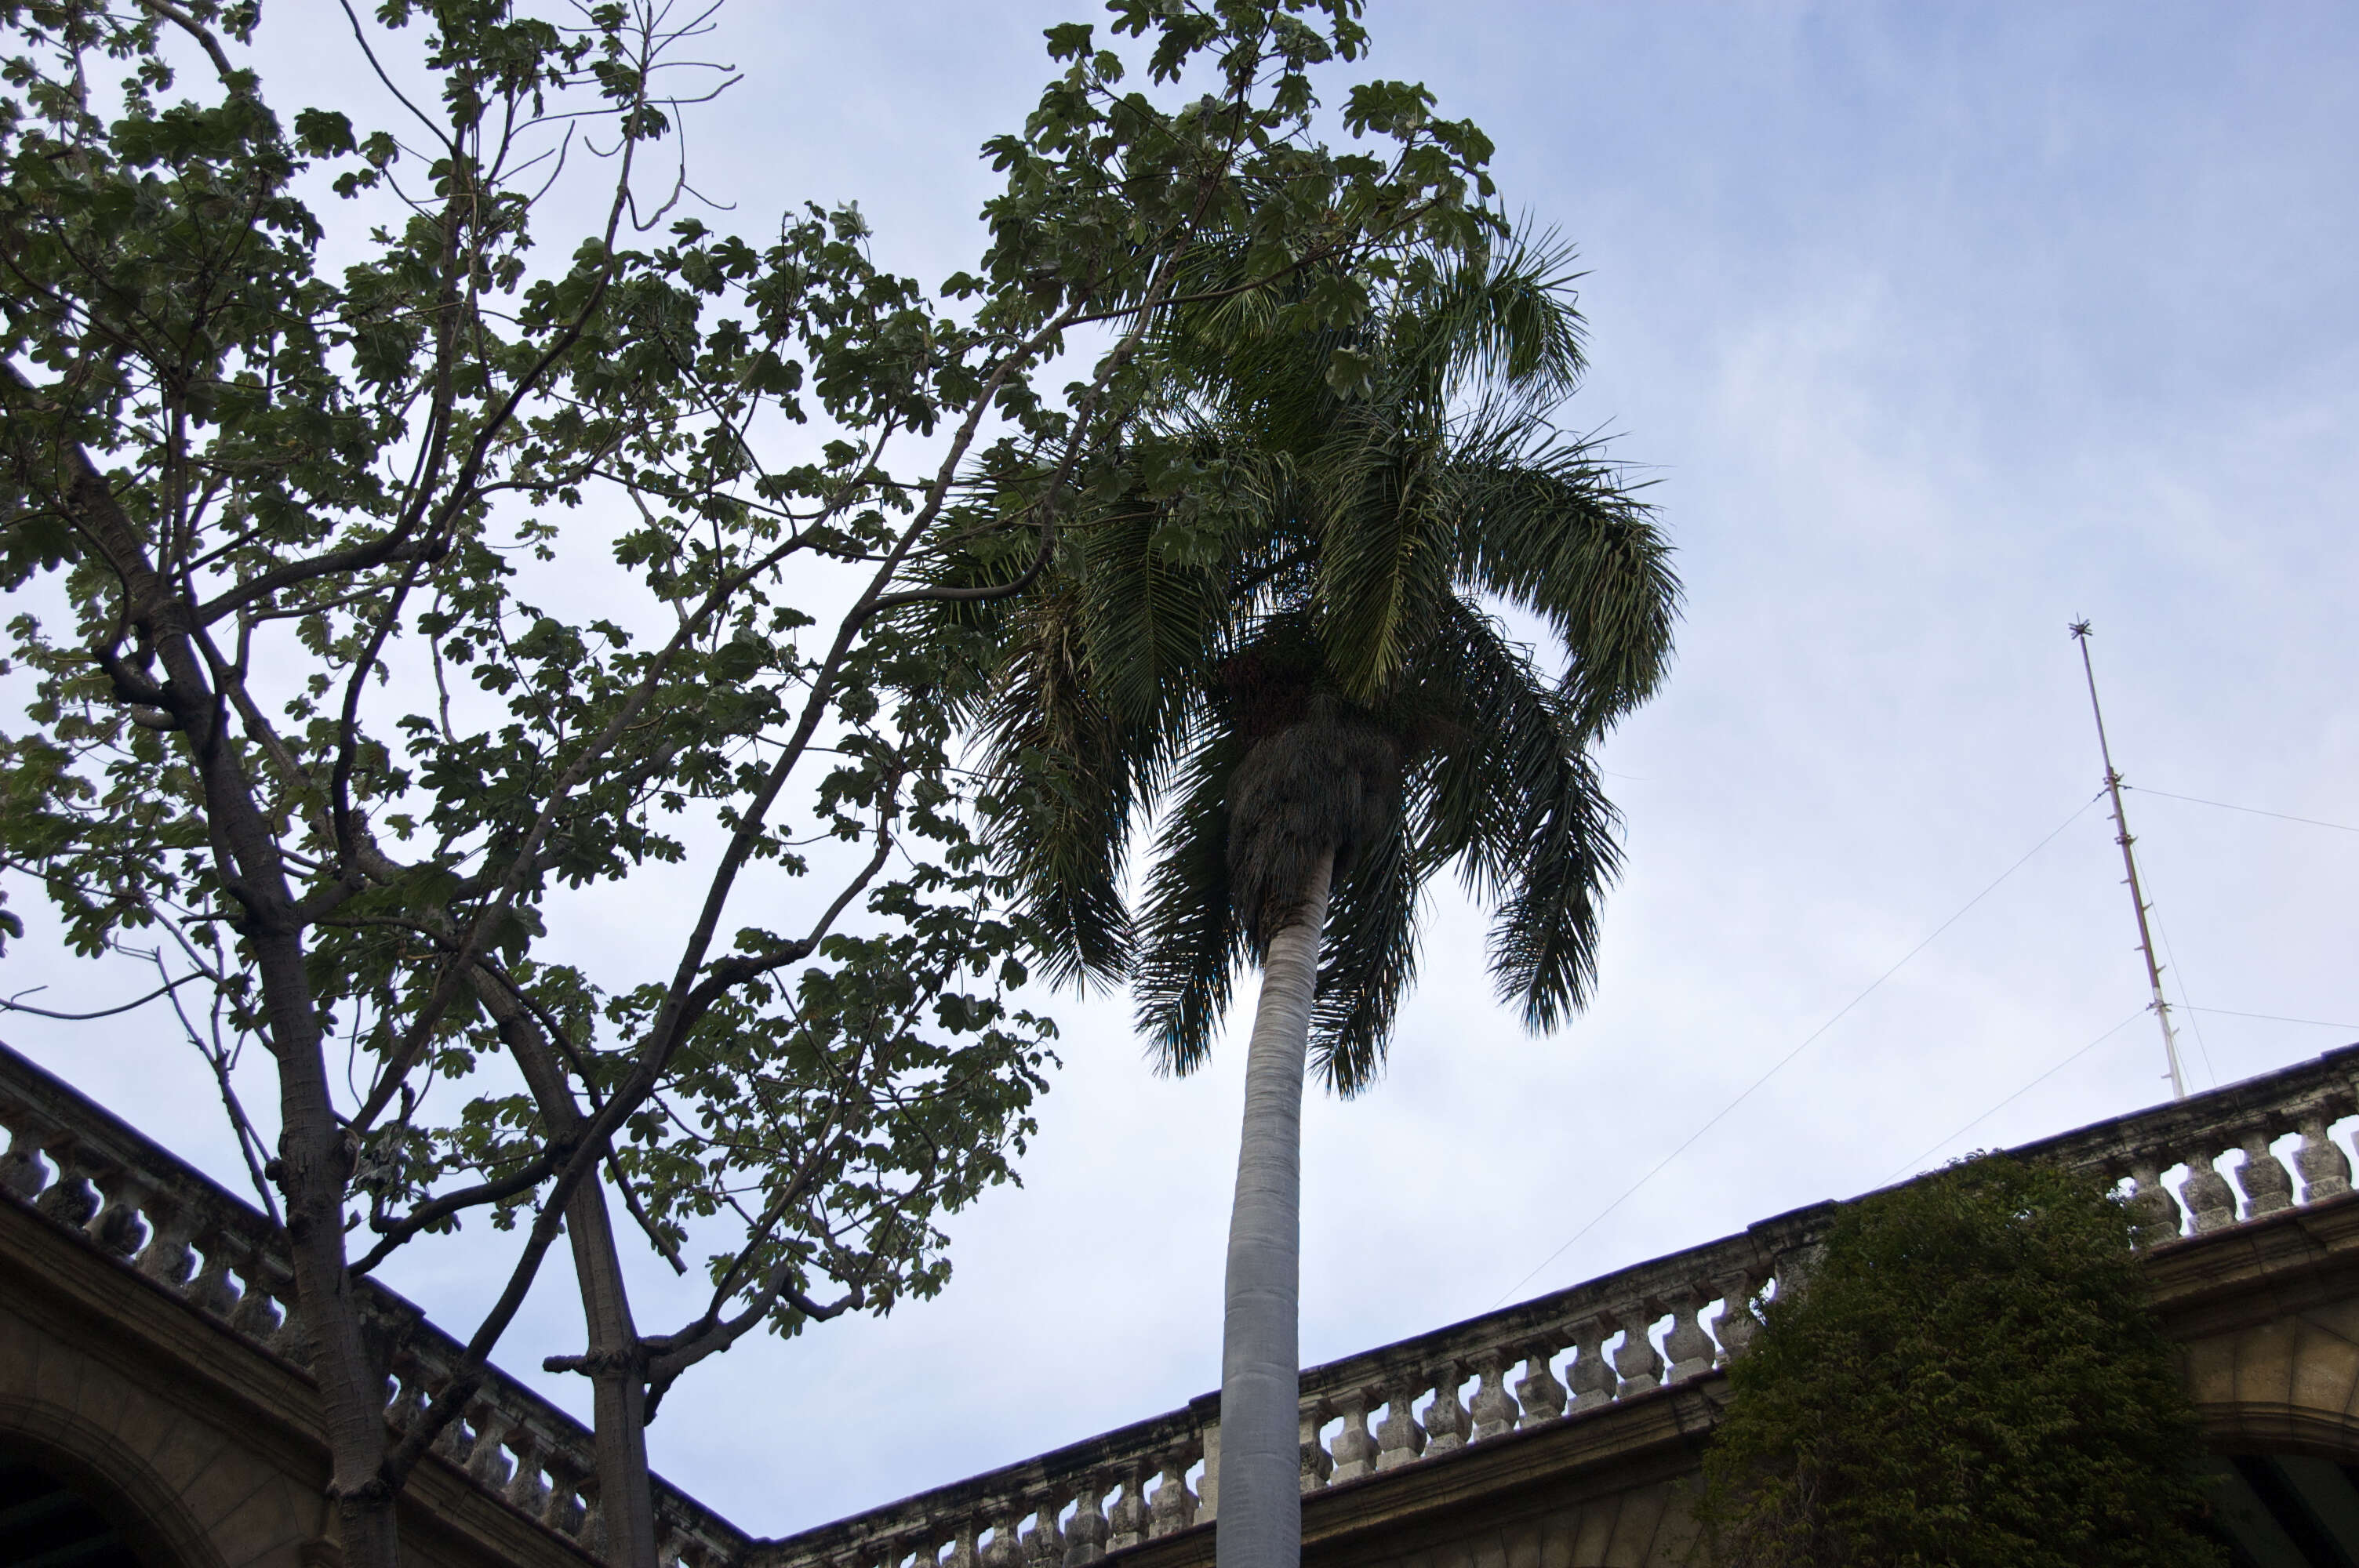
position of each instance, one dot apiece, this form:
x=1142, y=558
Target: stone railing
x=1573, y=1351
x=2187, y=1168
x=2167, y=1161
x=166, y=1221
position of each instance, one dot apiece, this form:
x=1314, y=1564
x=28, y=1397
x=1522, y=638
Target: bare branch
x=12, y=1005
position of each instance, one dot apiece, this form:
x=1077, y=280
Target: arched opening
x=49, y=1519
x=2284, y=1509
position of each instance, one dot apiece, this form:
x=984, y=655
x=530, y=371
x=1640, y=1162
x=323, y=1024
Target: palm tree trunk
x=1258, y=1522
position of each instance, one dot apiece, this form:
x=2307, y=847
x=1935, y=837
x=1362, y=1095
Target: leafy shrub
x=1969, y=1377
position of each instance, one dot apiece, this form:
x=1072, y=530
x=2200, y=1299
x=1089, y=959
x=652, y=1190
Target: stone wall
x=146, y=1356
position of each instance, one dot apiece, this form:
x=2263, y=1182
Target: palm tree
x=1293, y=663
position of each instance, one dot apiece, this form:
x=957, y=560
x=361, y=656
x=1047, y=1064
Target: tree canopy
x=1969, y=1377
x=1382, y=491
x=393, y=569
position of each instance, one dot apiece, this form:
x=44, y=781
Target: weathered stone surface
x=128, y=1353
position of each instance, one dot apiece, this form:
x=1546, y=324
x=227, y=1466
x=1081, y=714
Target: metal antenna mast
x=2129, y=864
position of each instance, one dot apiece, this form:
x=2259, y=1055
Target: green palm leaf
x=1369, y=528
x=1192, y=942
x=1369, y=959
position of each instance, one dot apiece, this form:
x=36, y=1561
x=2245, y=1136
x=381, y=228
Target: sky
x=1939, y=327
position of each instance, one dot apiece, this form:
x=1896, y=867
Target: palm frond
x=1301, y=529
x=1553, y=528
x=1544, y=938
x=1368, y=962
x=1062, y=801
x=1501, y=326
x=1511, y=795
x=1191, y=941
x=1386, y=528
x=1499, y=749
x=1155, y=618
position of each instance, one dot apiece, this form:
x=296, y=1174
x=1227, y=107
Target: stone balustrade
x=1074, y=1505
x=177, y=1228
x=2275, y=1133
x=1559, y=1355
x=2187, y=1168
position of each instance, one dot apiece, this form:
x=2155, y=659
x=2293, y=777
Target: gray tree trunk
x=315, y=1163
x=626, y=1521
x=625, y=1494
x=1259, y=1518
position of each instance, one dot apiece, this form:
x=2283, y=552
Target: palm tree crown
x=1310, y=664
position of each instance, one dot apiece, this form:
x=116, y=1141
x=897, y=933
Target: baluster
x=211, y=1290
x=1494, y=1408
x=1044, y=1543
x=2153, y=1207
x=167, y=1258
x=456, y=1440
x=2207, y=1194
x=1086, y=1534
x=568, y=1510
x=1639, y=1363
x=1400, y=1440
x=2263, y=1177
x=1594, y=1382
x=118, y=1228
x=1316, y=1465
x=1172, y=1509
x=1003, y=1552
x=526, y=1489
x=1541, y=1396
x=964, y=1552
x=1355, y=1450
x=1132, y=1521
x=409, y=1402
x=22, y=1170
x=486, y=1462
x=255, y=1315
x=2325, y=1172
x=293, y=1339
x=1688, y=1348
x=586, y=1526
x=1735, y=1325
x=1447, y=1425
x=70, y=1200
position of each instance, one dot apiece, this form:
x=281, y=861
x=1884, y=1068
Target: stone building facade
x=154, y=1411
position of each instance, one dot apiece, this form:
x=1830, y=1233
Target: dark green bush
x=1971, y=1378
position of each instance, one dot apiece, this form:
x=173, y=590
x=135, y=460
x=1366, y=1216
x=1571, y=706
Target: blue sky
x=1940, y=327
